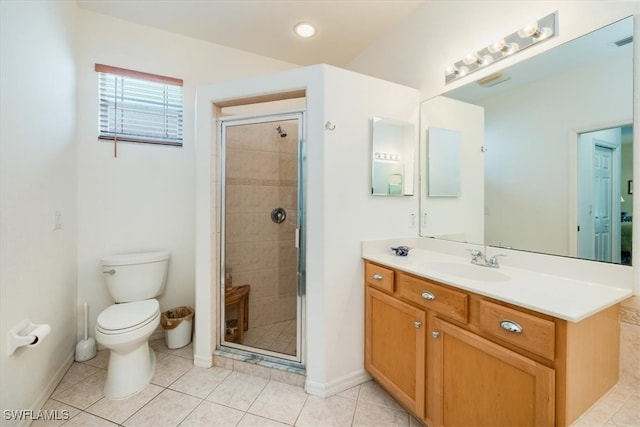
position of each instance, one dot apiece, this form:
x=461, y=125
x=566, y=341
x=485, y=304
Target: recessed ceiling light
x=304, y=29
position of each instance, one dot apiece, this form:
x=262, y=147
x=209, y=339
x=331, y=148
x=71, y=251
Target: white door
x=603, y=202
x=599, y=195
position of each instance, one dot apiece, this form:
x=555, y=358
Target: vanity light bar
x=542, y=29
x=387, y=156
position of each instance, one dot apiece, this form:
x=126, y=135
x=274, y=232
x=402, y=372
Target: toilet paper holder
x=27, y=333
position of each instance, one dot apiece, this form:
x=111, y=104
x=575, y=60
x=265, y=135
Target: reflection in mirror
x=557, y=151
x=392, y=158
x=444, y=162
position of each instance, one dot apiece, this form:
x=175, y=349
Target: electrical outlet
x=57, y=220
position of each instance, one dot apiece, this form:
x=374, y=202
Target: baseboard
x=338, y=385
x=203, y=361
x=51, y=386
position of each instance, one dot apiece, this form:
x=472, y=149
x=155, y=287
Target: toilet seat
x=126, y=317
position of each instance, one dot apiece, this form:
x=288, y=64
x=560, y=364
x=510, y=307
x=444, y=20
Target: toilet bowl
x=125, y=330
x=125, y=327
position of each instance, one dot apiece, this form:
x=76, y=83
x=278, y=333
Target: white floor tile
x=238, y=391
x=280, y=402
x=168, y=409
x=209, y=413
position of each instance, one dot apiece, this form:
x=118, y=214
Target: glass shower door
x=261, y=257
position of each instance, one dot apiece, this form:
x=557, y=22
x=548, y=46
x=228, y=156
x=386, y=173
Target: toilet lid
x=128, y=315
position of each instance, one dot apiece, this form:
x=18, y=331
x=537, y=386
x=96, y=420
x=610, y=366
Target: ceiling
x=265, y=27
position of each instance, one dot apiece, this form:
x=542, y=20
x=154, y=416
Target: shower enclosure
x=262, y=253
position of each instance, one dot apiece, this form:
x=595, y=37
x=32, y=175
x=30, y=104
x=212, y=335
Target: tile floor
x=279, y=337
x=183, y=395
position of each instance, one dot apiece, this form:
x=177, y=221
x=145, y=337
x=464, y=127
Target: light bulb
x=496, y=47
x=472, y=58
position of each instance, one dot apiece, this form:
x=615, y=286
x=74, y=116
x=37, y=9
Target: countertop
x=565, y=298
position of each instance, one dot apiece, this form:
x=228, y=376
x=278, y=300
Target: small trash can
x=177, y=324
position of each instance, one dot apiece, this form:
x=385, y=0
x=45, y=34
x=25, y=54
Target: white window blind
x=139, y=107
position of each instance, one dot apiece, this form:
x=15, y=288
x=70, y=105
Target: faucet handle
x=476, y=256
x=493, y=261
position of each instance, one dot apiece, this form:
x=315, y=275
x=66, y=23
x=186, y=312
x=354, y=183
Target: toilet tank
x=135, y=276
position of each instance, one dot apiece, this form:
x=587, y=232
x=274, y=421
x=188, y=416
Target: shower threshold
x=260, y=360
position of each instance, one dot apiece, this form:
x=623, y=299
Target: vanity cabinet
x=456, y=358
x=393, y=324
x=479, y=383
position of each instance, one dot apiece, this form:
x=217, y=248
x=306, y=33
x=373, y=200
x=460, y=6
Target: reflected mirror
x=392, y=157
x=444, y=162
x=550, y=144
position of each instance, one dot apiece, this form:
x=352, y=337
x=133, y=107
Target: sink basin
x=468, y=271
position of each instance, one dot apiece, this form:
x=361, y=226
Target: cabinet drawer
x=430, y=295
x=379, y=277
x=527, y=331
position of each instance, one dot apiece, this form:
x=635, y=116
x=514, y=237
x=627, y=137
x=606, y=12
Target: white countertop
x=561, y=297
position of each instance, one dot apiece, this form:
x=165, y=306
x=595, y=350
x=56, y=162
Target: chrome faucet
x=493, y=261
x=479, y=258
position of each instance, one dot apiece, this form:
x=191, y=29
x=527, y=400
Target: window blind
x=139, y=107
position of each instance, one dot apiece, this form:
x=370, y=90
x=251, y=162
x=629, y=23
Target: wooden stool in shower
x=239, y=296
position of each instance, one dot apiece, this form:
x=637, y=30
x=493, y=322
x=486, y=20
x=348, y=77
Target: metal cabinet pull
x=417, y=324
x=428, y=296
x=112, y=271
x=377, y=276
x=435, y=334
x=511, y=326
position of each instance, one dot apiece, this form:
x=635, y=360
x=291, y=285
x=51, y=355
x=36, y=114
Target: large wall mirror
x=550, y=144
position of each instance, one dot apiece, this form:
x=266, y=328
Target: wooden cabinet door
x=395, y=348
x=479, y=383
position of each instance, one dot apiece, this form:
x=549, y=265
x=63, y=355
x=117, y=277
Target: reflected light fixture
x=304, y=30
x=388, y=157
x=543, y=29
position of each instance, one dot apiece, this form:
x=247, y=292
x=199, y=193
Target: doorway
x=605, y=174
x=262, y=254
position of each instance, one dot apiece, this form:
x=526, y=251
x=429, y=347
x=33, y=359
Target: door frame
x=574, y=142
x=297, y=361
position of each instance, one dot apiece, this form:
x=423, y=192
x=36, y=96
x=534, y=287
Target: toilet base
x=129, y=373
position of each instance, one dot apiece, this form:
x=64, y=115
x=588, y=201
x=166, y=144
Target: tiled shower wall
x=630, y=342
x=261, y=175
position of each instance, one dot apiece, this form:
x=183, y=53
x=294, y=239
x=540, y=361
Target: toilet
x=133, y=280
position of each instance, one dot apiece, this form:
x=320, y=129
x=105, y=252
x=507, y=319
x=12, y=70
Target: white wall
x=145, y=198
x=458, y=218
x=38, y=178
x=350, y=214
x=340, y=210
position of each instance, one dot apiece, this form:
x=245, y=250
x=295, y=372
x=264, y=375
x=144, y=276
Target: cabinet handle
x=511, y=326
x=417, y=324
x=377, y=276
x=428, y=296
x=435, y=334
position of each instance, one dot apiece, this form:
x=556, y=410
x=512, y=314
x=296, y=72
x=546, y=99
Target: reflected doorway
x=262, y=260
x=605, y=195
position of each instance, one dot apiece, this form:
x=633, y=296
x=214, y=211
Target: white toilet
x=133, y=280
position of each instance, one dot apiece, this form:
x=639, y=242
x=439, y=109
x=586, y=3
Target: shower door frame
x=298, y=360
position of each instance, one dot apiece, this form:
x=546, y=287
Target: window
x=139, y=107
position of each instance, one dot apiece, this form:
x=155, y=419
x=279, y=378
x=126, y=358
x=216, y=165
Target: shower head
x=281, y=131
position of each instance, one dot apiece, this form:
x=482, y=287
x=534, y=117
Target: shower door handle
x=278, y=215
